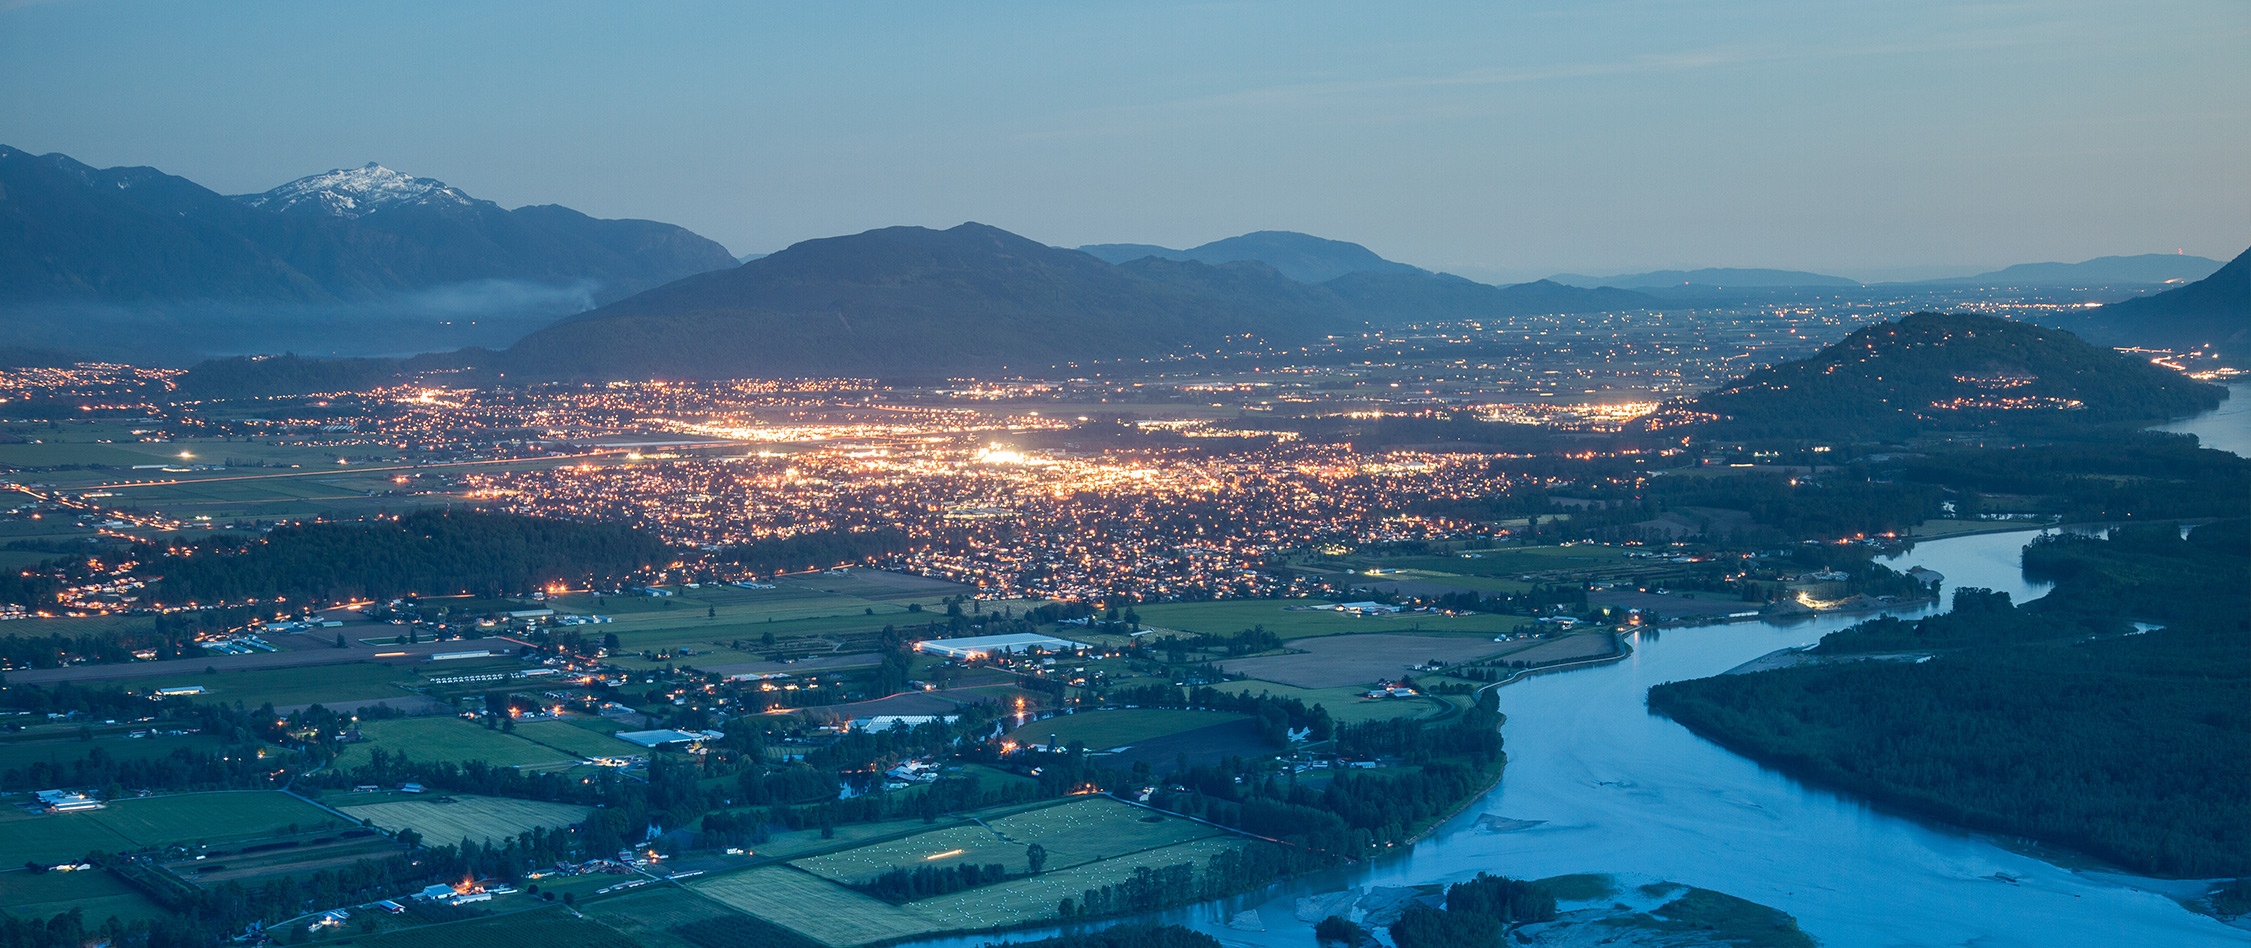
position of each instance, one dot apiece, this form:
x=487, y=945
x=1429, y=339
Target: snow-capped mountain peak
x=355, y=192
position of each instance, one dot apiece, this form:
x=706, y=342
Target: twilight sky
x=1503, y=140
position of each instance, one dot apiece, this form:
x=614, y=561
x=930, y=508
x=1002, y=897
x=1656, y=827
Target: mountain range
x=2136, y=269
x=137, y=236
x=2214, y=311
x=1301, y=257
x=915, y=301
x=1707, y=277
x=1940, y=372
x=2147, y=269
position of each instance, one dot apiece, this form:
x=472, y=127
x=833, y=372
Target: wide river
x=1627, y=792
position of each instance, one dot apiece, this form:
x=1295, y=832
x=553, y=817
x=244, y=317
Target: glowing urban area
x=383, y=565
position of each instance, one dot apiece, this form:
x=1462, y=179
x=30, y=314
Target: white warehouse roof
x=980, y=645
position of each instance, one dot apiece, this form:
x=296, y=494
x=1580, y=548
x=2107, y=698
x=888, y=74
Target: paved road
x=298, y=658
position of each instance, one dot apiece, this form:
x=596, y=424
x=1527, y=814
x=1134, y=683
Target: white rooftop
x=665, y=736
x=976, y=645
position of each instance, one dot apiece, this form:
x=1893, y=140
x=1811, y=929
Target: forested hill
x=429, y=553
x=1941, y=372
x=2214, y=311
x=915, y=301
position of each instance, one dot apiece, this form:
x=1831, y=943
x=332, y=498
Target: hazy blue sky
x=1521, y=138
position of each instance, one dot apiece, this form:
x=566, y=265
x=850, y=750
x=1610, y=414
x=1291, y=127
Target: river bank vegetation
x=2060, y=720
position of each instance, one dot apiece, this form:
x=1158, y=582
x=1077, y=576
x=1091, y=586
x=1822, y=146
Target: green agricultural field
x=1097, y=828
x=289, y=687
x=839, y=916
x=1032, y=899
x=465, y=817
x=569, y=737
x=1345, y=705
x=446, y=739
x=149, y=822
x=788, y=843
x=949, y=847
x=53, y=453
x=1081, y=831
x=62, y=750
x=76, y=627
x=1491, y=584
x=820, y=909
x=550, y=926
x=653, y=915
x=1507, y=562
x=95, y=893
x=1102, y=730
x=1227, y=617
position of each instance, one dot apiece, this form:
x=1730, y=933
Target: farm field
x=284, y=687
x=79, y=626
x=1345, y=661
x=182, y=819
x=967, y=843
x=435, y=739
x=838, y=916
x=1102, y=730
x=1346, y=705
x=789, y=612
x=787, y=843
x=547, y=927
x=466, y=817
x=1507, y=562
x=569, y=737
x=1223, y=618
x=1566, y=648
x=62, y=750
x=308, y=855
x=813, y=906
x=1411, y=577
x=651, y=915
x=96, y=893
x=1073, y=833
x=1034, y=898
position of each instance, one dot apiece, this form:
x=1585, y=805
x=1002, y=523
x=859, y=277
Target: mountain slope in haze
x=1394, y=298
x=1940, y=372
x=137, y=236
x=1301, y=257
x=2101, y=271
x=2214, y=311
x=914, y=301
x=1708, y=276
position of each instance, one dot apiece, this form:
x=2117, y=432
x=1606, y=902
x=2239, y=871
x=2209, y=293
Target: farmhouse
x=979, y=646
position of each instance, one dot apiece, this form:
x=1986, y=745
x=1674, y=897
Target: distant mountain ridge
x=1939, y=372
x=914, y=301
x=71, y=232
x=1708, y=276
x=2147, y=268
x=1393, y=298
x=2214, y=311
x=1301, y=257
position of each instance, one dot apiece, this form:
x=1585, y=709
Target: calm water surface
x=1623, y=791
x=2228, y=428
